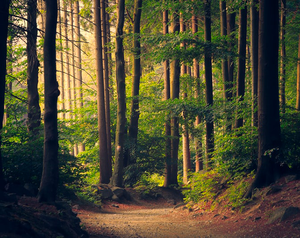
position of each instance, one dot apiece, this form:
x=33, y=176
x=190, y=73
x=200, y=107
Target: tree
x=241, y=61
x=105, y=172
x=117, y=177
x=254, y=15
x=49, y=181
x=136, y=68
x=283, y=56
x=167, y=178
x=269, y=138
x=174, y=94
x=4, y=10
x=34, y=111
x=208, y=84
x=298, y=79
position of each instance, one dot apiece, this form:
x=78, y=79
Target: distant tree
x=240, y=92
x=208, y=84
x=34, y=111
x=49, y=181
x=298, y=78
x=117, y=177
x=4, y=10
x=282, y=56
x=269, y=138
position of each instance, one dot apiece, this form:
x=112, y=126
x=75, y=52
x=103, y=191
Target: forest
x=181, y=94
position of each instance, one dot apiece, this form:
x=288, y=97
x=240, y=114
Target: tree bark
x=34, y=111
x=106, y=78
x=81, y=146
x=174, y=93
x=208, y=84
x=269, y=141
x=117, y=178
x=4, y=10
x=167, y=178
x=254, y=15
x=283, y=56
x=136, y=69
x=49, y=181
x=105, y=172
x=240, y=92
x=298, y=79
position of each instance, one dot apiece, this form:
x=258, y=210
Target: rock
x=171, y=201
x=273, y=189
x=296, y=224
x=115, y=198
x=17, y=189
x=8, y=197
x=119, y=192
x=105, y=193
x=32, y=190
x=282, y=214
x=290, y=178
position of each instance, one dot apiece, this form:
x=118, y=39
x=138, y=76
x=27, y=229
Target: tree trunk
x=62, y=73
x=269, y=141
x=117, y=178
x=254, y=15
x=283, y=56
x=298, y=79
x=198, y=143
x=34, y=111
x=241, y=63
x=106, y=77
x=208, y=85
x=134, y=112
x=105, y=172
x=49, y=181
x=79, y=93
x=167, y=180
x=174, y=93
x=4, y=9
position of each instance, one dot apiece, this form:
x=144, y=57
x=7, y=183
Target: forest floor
x=161, y=218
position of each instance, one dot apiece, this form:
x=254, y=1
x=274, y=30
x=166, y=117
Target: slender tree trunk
x=198, y=142
x=208, y=85
x=4, y=7
x=34, y=111
x=81, y=147
x=283, y=56
x=269, y=141
x=117, y=178
x=62, y=73
x=103, y=155
x=254, y=15
x=106, y=79
x=298, y=79
x=167, y=180
x=241, y=62
x=134, y=112
x=49, y=181
x=174, y=93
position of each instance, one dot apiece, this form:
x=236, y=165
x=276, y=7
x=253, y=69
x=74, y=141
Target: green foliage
x=148, y=183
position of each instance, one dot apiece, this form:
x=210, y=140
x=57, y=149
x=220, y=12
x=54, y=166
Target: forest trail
x=161, y=218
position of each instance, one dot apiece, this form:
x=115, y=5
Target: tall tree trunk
x=269, y=141
x=167, y=180
x=81, y=147
x=185, y=134
x=49, y=181
x=4, y=7
x=208, y=84
x=240, y=92
x=298, y=79
x=254, y=15
x=62, y=73
x=283, y=56
x=136, y=69
x=34, y=111
x=117, y=178
x=174, y=93
x=106, y=79
x=198, y=142
x=103, y=155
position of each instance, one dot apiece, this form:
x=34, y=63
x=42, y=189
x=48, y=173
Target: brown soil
x=160, y=218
